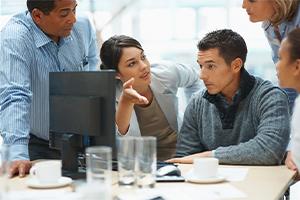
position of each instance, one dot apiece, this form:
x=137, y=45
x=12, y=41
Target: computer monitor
x=82, y=114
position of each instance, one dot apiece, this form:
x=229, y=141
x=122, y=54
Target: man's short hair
x=229, y=43
x=46, y=6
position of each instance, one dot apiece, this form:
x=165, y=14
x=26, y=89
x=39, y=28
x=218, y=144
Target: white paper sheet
x=233, y=174
x=42, y=195
x=185, y=191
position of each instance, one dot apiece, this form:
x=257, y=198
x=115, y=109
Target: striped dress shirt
x=27, y=57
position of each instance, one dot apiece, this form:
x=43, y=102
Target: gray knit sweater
x=257, y=134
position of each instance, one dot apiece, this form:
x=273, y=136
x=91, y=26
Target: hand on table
x=19, y=167
x=289, y=161
x=189, y=159
x=291, y=165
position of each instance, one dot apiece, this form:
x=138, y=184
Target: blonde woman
x=279, y=17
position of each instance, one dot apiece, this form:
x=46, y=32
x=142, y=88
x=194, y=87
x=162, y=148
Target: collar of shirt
x=284, y=25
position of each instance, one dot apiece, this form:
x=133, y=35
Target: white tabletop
x=260, y=182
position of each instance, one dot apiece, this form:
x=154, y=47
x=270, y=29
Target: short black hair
x=229, y=43
x=46, y=6
x=111, y=50
x=293, y=39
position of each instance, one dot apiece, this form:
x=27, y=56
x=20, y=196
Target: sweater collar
x=227, y=110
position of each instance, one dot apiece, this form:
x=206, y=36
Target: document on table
x=185, y=191
x=42, y=194
x=194, y=191
x=234, y=173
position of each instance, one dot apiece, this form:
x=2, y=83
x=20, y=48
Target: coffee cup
x=47, y=172
x=205, y=168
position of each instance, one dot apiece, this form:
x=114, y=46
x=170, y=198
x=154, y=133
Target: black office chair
x=287, y=194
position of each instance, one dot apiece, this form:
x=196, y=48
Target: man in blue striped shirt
x=44, y=39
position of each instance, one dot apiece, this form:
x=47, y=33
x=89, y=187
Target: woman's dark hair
x=46, y=6
x=229, y=43
x=111, y=50
x=293, y=39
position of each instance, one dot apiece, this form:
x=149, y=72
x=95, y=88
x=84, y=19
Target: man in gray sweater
x=239, y=118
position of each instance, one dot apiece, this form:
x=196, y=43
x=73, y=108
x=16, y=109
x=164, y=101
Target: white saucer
x=62, y=181
x=190, y=177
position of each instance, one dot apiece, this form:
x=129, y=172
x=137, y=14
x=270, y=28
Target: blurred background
x=170, y=29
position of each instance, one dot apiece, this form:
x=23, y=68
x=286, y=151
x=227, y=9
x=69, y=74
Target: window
x=170, y=29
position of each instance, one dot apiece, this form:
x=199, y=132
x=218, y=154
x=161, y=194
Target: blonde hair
x=284, y=10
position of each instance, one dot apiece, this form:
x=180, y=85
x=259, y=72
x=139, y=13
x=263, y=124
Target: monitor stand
x=70, y=146
x=75, y=175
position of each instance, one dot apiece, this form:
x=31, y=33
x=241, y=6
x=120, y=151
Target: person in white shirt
x=278, y=17
x=288, y=72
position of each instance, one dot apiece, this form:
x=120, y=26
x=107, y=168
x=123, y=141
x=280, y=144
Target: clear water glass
x=126, y=161
x=146, y=162
x=99, y=172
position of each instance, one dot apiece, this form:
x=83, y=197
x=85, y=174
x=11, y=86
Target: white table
x=261, y=182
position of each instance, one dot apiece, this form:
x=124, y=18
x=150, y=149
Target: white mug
x=47, y=172
x=205, y=167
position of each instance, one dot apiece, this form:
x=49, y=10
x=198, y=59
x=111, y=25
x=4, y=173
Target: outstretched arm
x=128, y=98
x=15, y=100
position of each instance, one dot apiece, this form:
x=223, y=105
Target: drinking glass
x=146, y=162
x=99, y=172
x=126, y=161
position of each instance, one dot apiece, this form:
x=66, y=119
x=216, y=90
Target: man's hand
x=189, y=159
x=289, y=161
x=20, y=167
